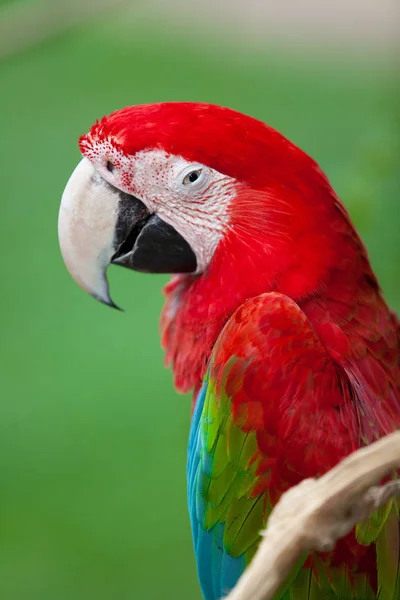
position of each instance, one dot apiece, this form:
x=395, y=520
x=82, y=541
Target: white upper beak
x=86, y=225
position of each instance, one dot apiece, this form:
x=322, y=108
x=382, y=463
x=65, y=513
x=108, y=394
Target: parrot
x=273, y=319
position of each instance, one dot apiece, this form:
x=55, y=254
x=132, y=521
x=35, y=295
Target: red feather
x=288, y=234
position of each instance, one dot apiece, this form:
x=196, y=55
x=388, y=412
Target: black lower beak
x=146, y=243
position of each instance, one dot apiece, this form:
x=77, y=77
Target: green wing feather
x=228, y=484
x=383, y=530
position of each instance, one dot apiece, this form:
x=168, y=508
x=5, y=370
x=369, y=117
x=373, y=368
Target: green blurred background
x=92, y=433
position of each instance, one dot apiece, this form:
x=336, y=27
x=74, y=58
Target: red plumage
x=320, y=315
x=295, y=237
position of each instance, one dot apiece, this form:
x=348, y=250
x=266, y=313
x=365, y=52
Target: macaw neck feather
x=319, y=262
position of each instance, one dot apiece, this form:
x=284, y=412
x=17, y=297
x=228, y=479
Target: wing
x=274, y=408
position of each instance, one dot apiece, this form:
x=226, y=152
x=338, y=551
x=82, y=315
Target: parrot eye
x=109, y=166
x=191, y=177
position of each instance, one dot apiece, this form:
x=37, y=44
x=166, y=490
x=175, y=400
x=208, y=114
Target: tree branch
x=317, y=512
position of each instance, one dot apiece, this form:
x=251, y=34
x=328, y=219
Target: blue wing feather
x=218, y=572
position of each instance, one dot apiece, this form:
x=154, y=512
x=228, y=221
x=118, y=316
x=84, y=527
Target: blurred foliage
x=92, y=434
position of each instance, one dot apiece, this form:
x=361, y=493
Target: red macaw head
x=180, y=187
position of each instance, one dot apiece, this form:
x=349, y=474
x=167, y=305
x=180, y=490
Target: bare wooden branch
x=317, y=512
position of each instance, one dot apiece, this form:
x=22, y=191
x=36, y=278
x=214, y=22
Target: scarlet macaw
x=273, y=317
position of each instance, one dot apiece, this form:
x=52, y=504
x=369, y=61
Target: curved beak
x=99, y=224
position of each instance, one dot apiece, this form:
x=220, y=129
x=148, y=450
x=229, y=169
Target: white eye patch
x=190, y=196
